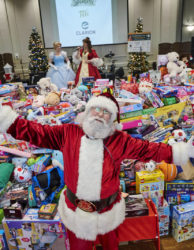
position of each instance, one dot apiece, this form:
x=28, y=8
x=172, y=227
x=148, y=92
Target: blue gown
x=63, y=74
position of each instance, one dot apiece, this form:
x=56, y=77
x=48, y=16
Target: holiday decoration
x=38, y=60
x=138, y=60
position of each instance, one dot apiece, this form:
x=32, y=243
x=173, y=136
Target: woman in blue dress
x=60, y=70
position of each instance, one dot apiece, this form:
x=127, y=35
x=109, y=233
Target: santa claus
x=92, y=205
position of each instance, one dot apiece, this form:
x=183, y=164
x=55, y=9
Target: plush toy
x=38, y=101
x=162, y=63
x=76, y=92
x=145, y=86
x=46, y=86
x=174, y=66
x=178, y=136
x=22, y=173
x=169, y=170
x=52, y=99
x=150, y=166
x=57, y=159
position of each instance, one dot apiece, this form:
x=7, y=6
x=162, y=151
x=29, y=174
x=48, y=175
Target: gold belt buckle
x=86, y=206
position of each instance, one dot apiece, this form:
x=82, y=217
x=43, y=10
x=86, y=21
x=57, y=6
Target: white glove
x=7, y=117
x=190, y=147
x=53, y=66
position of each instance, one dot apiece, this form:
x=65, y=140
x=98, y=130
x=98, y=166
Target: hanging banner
x=139, y=42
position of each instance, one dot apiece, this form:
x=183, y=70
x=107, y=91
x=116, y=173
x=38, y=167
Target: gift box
x=47, y=211
x=17, y=208
x=182, y=226
x=136, y=206
x=151, y=185
x=33, y=233
x=164, y=213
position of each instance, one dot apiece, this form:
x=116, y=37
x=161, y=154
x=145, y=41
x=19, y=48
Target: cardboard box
x=182, y=226
x=151, y=185
x=164, y=213
x=179, y=185
x=47, y=211
x=32, y=232
x=136, y=206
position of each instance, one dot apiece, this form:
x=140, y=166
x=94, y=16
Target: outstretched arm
x=35, y=133
x=145, y=151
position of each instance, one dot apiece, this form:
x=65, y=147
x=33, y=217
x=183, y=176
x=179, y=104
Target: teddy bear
x=174, y=66
x=46, y=86
x=52, y=99
x=38, y=101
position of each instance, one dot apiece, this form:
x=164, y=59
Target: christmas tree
x=38, y=59
x=138, y=62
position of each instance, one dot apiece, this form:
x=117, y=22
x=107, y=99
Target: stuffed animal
x=145, y=86
x=178, y=136
x=150, y=166
x=174, y=66
x=46, y=86
x=169, y=170
x=22, y=173
x=38, y=101
x=52, y=99
x=57, y=159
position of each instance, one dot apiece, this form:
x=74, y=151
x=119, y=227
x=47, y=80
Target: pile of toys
x=150, y=109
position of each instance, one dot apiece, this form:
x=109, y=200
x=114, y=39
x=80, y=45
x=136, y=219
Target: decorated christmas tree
x=138, y=62
x=38, y=59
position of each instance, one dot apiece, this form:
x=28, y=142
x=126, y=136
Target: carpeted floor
x=167, y=243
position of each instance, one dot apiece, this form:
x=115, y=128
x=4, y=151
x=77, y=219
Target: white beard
x=97, y=127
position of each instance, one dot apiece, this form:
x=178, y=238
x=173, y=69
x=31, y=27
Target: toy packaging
x=151, y=185
x=3, y=242
x=164, y=213
x=40, y=165
x=135, y=206
x=47, y=211
x=182, y=226
x=16, y=209
x=32, y=232
x=179, y=185
x=130, y=108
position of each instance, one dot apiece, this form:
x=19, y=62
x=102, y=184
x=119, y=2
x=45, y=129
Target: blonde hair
x=56, y=44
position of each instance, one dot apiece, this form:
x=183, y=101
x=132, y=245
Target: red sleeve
x=144, y=151
x=45, y=136
x=94, y=53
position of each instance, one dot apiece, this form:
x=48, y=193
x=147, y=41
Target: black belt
x=91, y=206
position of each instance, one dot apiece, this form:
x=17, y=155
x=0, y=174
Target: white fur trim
x=119, y=126
x=180, y=153
x=103, y=102
x=75, y=59
x=7, y=117
x=88, y=225
x=97, y=62
x=91, y=159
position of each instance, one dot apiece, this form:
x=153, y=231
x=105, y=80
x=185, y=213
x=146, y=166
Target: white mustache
x=97, y=119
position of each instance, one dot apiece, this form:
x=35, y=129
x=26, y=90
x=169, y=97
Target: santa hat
x=106, y=101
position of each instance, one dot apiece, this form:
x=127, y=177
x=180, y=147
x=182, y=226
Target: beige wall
x=17, y=17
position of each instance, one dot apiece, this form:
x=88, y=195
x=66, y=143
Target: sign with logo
x=139, y=42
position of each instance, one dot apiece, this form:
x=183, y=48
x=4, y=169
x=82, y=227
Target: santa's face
x=98, y=123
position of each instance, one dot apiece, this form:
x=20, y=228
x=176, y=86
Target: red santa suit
x=91, y=166
x=87, y=69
